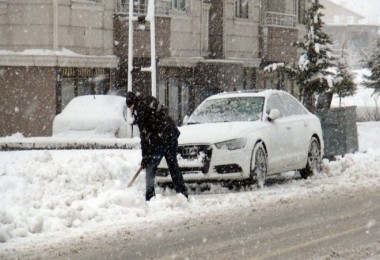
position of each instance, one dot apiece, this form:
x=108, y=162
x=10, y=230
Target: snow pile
x=57, y=194
x=48, y=191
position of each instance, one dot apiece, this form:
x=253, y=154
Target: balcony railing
x=140, y=7
x=279, y=19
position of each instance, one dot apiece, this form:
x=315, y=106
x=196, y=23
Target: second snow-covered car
x=247, y=136
x=94, y=116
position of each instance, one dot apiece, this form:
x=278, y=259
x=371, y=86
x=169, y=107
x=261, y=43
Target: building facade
x=351, y=37
x=54, y=50
x=209, y=46
x=50, y=52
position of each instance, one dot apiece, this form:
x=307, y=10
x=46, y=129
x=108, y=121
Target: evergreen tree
x=373, y=81
x=318, y=73
x=343, y=84
x=312, y=74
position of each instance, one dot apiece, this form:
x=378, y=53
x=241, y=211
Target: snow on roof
x=47, y=52
x=63, y=58
x=244, y=93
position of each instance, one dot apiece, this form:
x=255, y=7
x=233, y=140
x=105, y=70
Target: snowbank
x=60, y=194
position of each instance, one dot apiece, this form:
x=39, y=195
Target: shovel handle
x=135, y=176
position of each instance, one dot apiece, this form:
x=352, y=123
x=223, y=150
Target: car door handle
x=288, y=128
x=305, y=125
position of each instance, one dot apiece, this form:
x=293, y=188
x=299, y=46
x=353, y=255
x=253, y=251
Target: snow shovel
x=135, y=176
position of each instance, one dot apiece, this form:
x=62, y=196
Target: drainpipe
x=55, y=25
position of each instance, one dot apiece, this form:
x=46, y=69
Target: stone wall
x=84, y=27
x=27, y=100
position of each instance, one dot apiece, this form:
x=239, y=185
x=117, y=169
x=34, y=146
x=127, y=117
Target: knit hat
x=131, y=99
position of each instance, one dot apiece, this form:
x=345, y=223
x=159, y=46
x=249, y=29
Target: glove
x=144, y=162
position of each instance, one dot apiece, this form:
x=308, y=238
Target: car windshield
x=228, y=110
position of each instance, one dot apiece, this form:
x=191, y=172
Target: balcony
x=279, y=20
x=140, y=7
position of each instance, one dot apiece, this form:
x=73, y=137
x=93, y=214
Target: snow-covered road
x=48, y=197
x=324, y=226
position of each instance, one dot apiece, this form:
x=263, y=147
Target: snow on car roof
x=246, y=93
x=98, y=105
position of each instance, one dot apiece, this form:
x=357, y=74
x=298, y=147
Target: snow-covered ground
x=55, y=195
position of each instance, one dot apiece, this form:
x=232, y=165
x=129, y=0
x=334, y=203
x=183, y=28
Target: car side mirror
x=274, y=114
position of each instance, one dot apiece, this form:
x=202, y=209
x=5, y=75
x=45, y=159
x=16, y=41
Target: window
x=3, y=3
x=178, y=5
x=140, y=7
x=274, y=102
x=205, y=28
x=185, y=97
x=81, y=81
x=301, y=10
x=94, y=5
x=232, y=109
x=291, y=106
x=84, y=1
x=173, y=98
x=174, y=94
x=241, y=8
x=67, y=91
x=336, y=19
x=350, y=19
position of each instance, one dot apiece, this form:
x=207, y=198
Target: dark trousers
x=169, y=151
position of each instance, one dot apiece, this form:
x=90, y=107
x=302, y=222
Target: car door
x=297, y=119
x=280, y=136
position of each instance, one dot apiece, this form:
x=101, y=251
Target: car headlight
x=233, y=144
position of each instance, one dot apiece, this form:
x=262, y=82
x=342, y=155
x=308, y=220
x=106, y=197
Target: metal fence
x=339, y=130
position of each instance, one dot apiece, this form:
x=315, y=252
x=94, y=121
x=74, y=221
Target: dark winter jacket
x=155, y=125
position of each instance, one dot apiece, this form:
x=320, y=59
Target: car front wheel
x=259, y=165
x=313, y=159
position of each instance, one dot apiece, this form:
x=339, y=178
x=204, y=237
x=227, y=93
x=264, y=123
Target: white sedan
x=247, y=136
x=100, y=116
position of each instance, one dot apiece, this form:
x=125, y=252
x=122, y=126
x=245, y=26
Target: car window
x=230, y=109
x=292, y=106
x=274, y=102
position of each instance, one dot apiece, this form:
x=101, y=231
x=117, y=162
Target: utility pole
x=151, y=18
x=131, y=19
